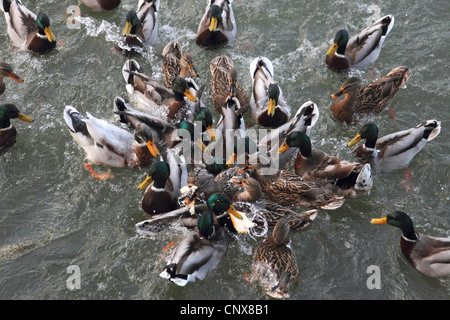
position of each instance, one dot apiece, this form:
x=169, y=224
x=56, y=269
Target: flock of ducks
x=217, y=198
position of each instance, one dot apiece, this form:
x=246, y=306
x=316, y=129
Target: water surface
x=53, y=214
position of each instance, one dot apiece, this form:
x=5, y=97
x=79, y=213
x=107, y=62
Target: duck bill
x=127, y=29
x=193, y=71
x=283, y=148
x=379, y=220
x=190, y=96
x=337, y=94
x=213, y=24
x=49, y=34
x=144, y=185
x=15, y=77
x=153, y=149
x=354, y=141
x=232, y=212
x=23, y=117
x=233, y=90
x=272, y=106
x=332, y=49
x=211, y=132
x=231, y=159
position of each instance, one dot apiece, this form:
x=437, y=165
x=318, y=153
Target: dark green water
x=53, y=214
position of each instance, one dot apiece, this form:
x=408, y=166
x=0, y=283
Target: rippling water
x=53, y=214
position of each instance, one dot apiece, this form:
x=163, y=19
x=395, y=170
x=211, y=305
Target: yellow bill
x=272, y=106
x=23, y=117
x=379, y=220
x=49, y=34
x=144, y=185
x=355, y=140
x=127, y=29
x=190, y=96
x=153, y=149
x=332, y=49
x=213, y=25
x=283, y=148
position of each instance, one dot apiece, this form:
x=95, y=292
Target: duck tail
x=170, y=272
x=74, y=121
x=334, y=204
x=432, y=128
x=5, y=5
x=258, y=63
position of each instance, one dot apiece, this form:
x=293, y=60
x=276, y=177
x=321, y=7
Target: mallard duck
x=198, y=253
x=430, y=255
x=372, y=98
x=395, y=150
x=271, y=211
x=176, y=63
x=157, y=199
x=220, y=204
x=141, y=26
x=7, y=71
x=288, y=189
x=7, y=132
x=101, y=5
x=26, y=29
x=166, y=134
x=274, y=264
x=268, y=104
x=105, y=143
x=204, y=181
x=304, y=120
x=298, y=220
x=150, y=94
x=354, y=178
x=224, y=84
x=217, y=26
x=361, y=49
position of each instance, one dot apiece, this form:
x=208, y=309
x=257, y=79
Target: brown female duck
x=177, y=63
x=224, y=84
x=372, y=98
x=274, y=264
x=7, y=71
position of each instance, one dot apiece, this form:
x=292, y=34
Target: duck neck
x=371, y=143
x=2, y=85
x=184, y=71
x=4, y=122
x=159, y=184
x=341, y=50
x=345, y=109
x=248, y=195
x=408, y=232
